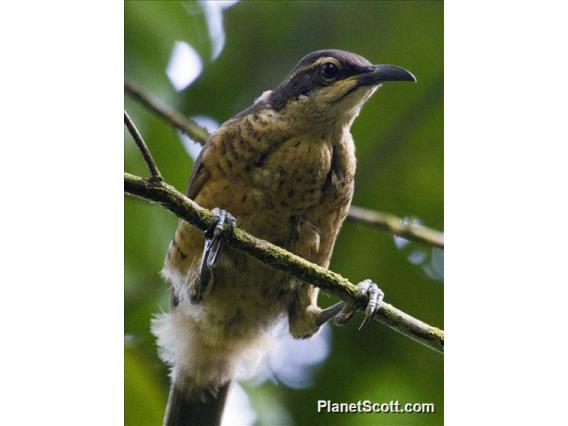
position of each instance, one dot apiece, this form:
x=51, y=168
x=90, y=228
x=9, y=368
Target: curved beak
x=378, y=74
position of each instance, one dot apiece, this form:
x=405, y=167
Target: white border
x=61, y=217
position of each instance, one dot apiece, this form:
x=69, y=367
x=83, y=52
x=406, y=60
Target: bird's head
x=332, y=85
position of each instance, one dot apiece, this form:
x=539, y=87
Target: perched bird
x=283, y=170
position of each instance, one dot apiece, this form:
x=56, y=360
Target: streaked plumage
x=285, y=169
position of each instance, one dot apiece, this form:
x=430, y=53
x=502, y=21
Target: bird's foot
x=343, y=312
x=223, y=224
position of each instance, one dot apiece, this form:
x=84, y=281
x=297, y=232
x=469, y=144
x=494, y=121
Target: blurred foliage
x=399, y=138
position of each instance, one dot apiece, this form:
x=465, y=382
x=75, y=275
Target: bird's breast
x=295, y=173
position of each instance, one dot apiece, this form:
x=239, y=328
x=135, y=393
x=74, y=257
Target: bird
x=283, y=169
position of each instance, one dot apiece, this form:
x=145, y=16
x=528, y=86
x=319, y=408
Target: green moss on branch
x=160, y=192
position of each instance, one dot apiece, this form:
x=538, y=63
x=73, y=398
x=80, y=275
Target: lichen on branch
x=160, y=192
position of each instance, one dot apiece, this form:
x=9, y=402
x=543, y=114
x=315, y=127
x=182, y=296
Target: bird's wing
x=200, y=174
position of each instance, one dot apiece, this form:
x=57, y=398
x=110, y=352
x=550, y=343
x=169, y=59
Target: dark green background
x=399, y=138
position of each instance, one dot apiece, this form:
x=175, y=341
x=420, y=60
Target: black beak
x=381, y=73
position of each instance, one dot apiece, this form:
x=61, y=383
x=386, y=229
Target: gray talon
x=224, y=222
x=345, y=314
x=342, y=312
x=376, y=297
x=375, y=294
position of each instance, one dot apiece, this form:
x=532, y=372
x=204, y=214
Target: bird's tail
x=183, y=409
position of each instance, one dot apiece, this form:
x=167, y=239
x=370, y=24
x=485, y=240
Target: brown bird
x=284, y=170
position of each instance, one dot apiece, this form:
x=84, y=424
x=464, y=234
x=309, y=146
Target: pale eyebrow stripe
x=313, y=65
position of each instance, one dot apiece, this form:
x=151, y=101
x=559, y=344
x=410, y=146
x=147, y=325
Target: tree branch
x=164, y=194
x=142, y=147
x=190, y=127
x=384, y=221
x=397, y=226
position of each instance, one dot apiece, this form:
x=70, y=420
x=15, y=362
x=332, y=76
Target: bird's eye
x=329, y=71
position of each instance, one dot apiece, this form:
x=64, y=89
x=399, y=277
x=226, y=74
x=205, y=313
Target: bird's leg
x=342, y=312
x=224, y=222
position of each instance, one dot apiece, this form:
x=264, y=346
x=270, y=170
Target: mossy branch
x=384, y=221
x=167, y=196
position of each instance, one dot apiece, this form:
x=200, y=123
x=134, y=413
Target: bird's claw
x=375, y=295
x=223, y=223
